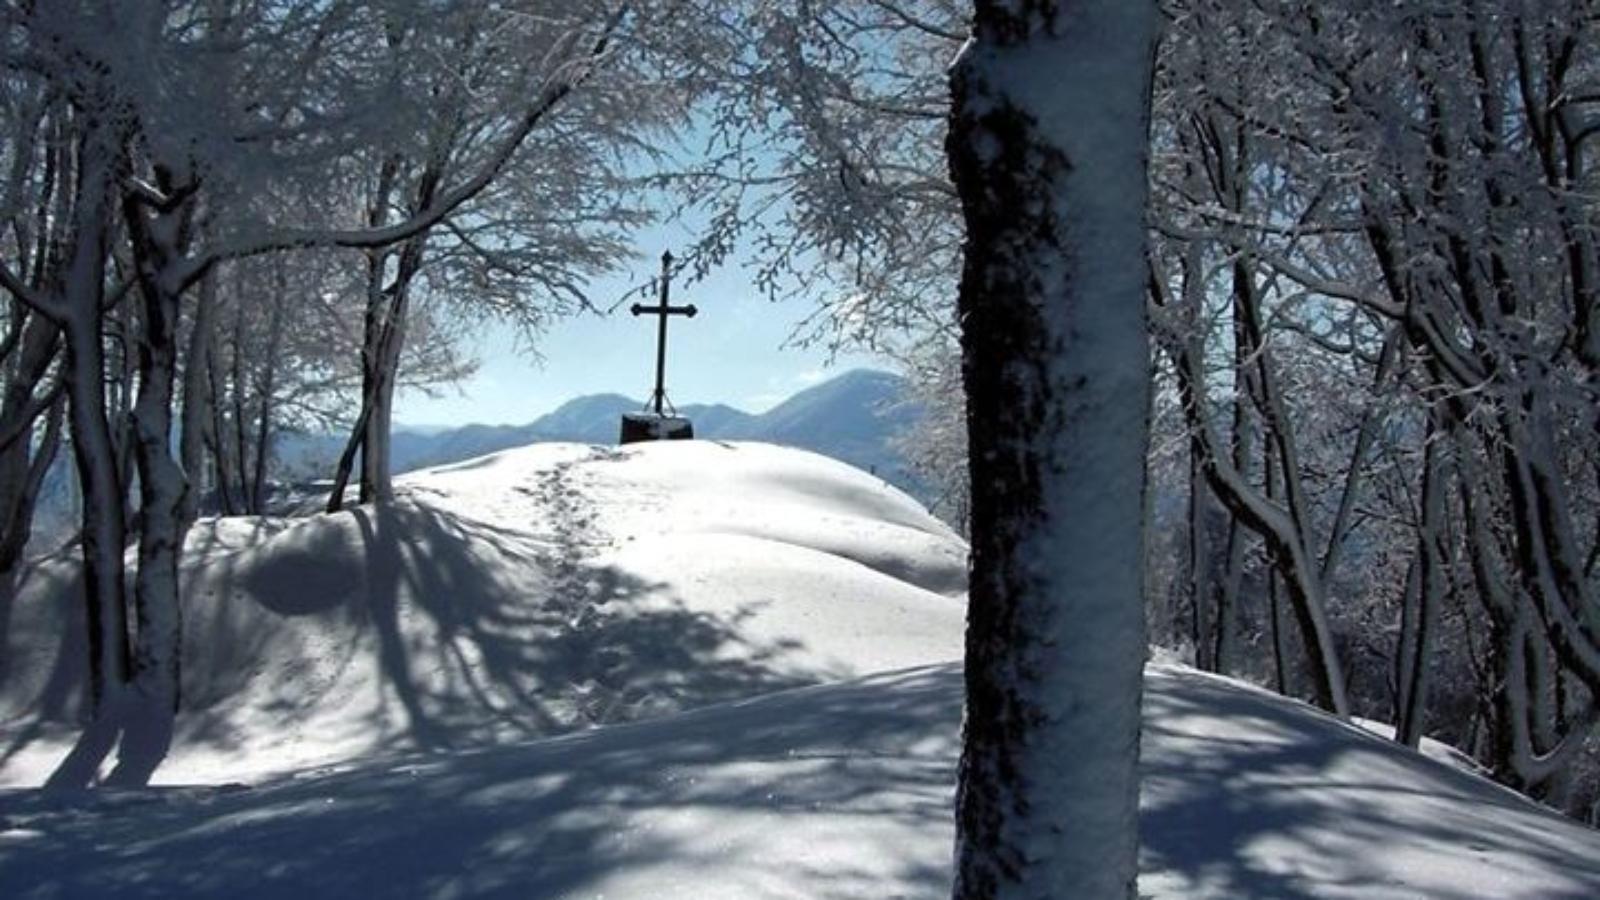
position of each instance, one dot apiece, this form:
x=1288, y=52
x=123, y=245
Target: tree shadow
x=455, y=631
x=697, y=805
x=55, y=693
x=835, y=791
x=468, y=654
x=1246, y=794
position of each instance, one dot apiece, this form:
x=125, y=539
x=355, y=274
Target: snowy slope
x=389, y=684
x=840, y=791
x=532, y=592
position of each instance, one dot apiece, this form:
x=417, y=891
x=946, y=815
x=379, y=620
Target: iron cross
x=663, y=310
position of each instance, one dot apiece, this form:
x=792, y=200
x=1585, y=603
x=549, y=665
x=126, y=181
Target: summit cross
x=662, y=310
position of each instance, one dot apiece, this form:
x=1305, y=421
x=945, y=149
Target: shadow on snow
x=478, y=634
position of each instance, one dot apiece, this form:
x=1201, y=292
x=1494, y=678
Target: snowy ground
x=387, y=685
x=518, y=595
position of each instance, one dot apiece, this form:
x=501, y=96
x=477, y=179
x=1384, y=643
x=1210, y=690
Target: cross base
x=638, y=427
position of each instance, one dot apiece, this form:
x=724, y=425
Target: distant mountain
x=715, y=420
x=586, y=420
x=853, y=417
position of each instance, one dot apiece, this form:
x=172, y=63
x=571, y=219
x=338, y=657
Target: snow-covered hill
x=535, y=591
x=407, y=697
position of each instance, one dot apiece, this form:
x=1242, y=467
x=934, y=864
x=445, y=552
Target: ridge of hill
x=853, y=417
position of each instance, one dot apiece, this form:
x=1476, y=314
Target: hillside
x=548, y=588
x=691, y=670
x=839, y=792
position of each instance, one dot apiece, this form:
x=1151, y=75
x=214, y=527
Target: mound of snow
x=522, y=594
x=832, y=792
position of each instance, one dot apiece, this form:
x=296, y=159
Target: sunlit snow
x=482, y=691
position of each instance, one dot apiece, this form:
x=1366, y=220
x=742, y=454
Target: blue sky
x=735, y=351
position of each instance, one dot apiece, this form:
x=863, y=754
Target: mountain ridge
x=854, y=417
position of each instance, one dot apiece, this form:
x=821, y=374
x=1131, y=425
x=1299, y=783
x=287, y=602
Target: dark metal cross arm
x=640, y=309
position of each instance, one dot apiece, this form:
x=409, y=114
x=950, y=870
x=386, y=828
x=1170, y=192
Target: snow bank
x=526, y=593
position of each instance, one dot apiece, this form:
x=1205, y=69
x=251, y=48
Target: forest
x=1353, y=243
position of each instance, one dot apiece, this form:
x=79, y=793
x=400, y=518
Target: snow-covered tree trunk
x=1048, y=148
x=377, y=479
x=104, y=504
x=160, y=237
x=377, y=483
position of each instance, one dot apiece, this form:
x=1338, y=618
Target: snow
x=522, y=594
x=1047, y=149
x=807, y=610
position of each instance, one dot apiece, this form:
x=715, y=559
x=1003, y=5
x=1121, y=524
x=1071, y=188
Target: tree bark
x=160, y=238
x=1417, y=647
x=23, y=402
x=1205, y=635
x=221, y=462
x=103, y=539
x=1048, y=148
x=1282, y=674
x=23, y=499
x=197, y=396
x=267, y=385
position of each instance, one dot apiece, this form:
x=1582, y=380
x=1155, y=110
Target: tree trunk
x=1228, y=598
x=1432, y=559
x=347, y=458
x=17, y=530
x=1283, y=681
x=265, y=388
x=1047, y=148
x=20, y=411
x=159, y=240
x=216, y=441
x=103, y=538
x=197, y=397
x=376, y=483
x=239, y=435
x=1284, y=538
x=121, y=409
x=1201, y=597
